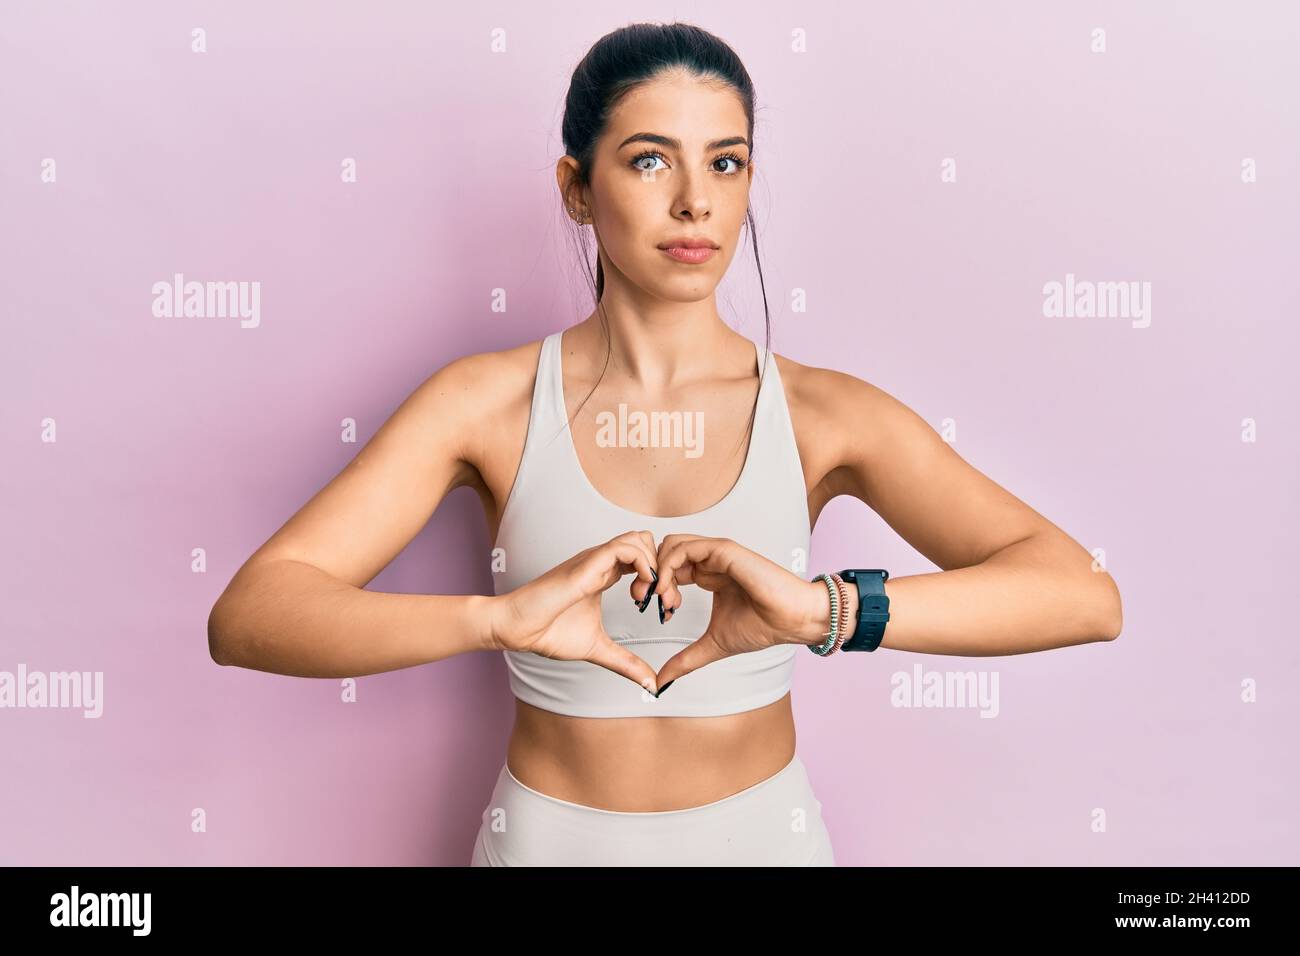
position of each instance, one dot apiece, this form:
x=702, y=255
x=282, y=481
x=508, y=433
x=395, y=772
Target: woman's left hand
x=756, y=602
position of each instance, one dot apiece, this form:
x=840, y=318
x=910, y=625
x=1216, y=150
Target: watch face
x=852, y=573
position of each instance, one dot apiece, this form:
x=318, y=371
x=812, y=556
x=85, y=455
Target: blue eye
x=739, y=161
x=646, y=155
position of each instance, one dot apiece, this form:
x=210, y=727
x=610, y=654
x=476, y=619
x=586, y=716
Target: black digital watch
x=873, y=608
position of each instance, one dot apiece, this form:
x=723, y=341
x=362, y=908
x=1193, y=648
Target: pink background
x=175, y=434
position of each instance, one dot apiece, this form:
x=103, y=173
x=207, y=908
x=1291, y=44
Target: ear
x=566, y=178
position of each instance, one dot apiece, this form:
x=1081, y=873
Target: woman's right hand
x=557, y=615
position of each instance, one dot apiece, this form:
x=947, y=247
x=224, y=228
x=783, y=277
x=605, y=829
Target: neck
x=657, y=344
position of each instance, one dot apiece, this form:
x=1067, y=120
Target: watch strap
x=873, y=608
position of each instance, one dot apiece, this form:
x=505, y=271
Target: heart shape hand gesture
x=757, y=603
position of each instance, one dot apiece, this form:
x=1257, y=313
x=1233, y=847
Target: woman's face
x=672, y=164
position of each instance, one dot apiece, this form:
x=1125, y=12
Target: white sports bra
x=553, y=512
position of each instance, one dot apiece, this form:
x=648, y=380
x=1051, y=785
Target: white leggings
x=775, y=822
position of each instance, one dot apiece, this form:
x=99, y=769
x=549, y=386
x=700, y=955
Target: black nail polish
x=654, y=580
x=661, y=608
x=665, y=687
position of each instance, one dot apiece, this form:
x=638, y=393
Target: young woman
x=661, y=737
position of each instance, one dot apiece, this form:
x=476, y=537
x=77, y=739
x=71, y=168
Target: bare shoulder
x=815, y=385
x=484, y=380
x=872, y=446
x=432, y=443
x=478, y=388
x=842, y=422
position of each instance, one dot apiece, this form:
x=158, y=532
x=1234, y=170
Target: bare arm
x=1012, y=583
x=298, y=605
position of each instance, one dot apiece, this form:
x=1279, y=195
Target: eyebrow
x=672, y=143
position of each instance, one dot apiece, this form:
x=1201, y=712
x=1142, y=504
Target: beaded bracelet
x=846, y=628
x=828, y=647
x=840, y=630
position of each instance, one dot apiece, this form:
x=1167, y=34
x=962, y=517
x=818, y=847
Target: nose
x=693, y=201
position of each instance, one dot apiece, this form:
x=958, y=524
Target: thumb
x=613, y=656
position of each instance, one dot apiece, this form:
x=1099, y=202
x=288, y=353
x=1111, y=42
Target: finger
x=638, y=539
x=667, y=588
x=704, y=650
x=694, y=559
x=614, y=656
x=647, y=575
x=627, y=554
x=643, y=592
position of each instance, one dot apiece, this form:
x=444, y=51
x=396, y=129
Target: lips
x=692, y=254
x=689, y=242
x=689, y=249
